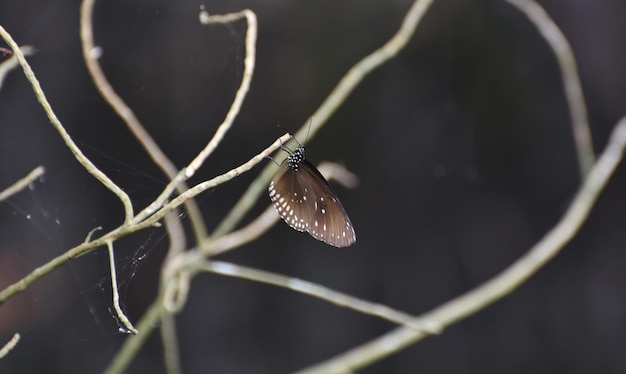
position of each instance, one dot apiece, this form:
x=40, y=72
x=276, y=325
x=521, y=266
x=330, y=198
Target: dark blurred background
x=462, y=144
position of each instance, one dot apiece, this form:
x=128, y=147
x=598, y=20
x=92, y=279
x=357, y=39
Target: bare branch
x=22, y=183
x=78, y=154
x=571, y=81
x=249, y=62
x=116, y=296
x=91, y=53
x=321, y=292
x=505, y=282
x=216, y=181
x=9, y=345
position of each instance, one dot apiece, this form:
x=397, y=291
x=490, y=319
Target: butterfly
x=305, y=201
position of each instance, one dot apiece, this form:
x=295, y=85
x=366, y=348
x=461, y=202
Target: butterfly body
x=305, y=201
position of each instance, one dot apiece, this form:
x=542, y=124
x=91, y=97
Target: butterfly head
x=295, y=159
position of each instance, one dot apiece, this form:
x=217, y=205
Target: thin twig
x=133, y=343
x=78, y=154
x=116, y=295
x=91, y=53
x=571, y=81
x=504, y=283
x=248, y=70
x=216, y=181
x=22, y=183
x=344, y=88
x=9, y=345
x=90, y=234
x=321, y=292
x=223, y=128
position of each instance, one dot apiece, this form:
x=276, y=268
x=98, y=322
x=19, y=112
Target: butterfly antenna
x=285, y=148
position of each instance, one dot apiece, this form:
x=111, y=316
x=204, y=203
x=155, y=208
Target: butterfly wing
x=305, y=201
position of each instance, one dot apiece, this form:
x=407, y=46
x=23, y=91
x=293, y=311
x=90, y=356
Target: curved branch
x=248, y=70
x=571, y=81
x=9, y=345
x=504, y=283
x=91, y=53
x=78, y=154
x=22, y=183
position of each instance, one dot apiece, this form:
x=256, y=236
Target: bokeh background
x=462, y=144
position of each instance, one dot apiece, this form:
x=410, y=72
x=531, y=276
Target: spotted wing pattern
x=304, y=199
